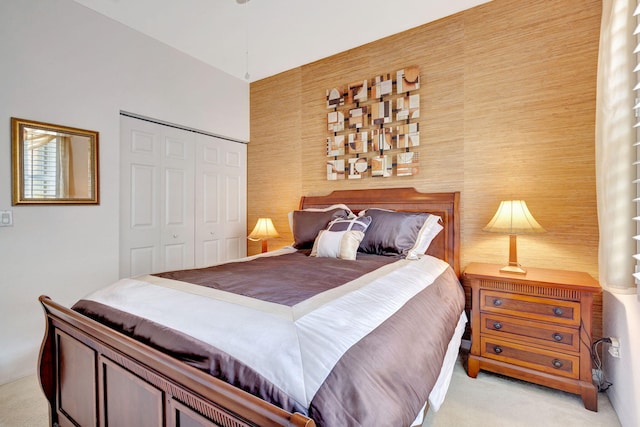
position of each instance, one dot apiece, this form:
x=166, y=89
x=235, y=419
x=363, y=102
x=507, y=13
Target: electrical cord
x=598, y=376
x=601, y=381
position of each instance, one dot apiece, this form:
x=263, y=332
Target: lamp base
x=513, y=269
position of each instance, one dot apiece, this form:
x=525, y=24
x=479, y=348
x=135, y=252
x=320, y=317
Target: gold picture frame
x=53, y=164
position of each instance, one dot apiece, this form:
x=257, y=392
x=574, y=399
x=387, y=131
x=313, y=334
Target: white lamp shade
x=263, y=230
x=513, y=217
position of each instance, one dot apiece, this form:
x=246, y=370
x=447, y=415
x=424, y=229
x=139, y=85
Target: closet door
x=221, y=188
x=156, y=198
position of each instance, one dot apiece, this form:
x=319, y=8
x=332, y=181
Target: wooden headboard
x=445, y=246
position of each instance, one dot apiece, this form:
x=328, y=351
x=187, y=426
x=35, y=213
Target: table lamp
x=513, y=218
x=263, y=230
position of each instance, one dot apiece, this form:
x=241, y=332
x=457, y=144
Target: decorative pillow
x=337, y=244
x=399, y=233
x=307, y=225
x=328, y=208
x=356, y=224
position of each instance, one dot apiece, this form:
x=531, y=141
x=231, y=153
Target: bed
x=107, y=368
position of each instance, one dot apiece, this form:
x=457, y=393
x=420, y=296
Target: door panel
x=142, y=196
x=142, y=260
x=177, y=210
x=211, y=196
x=220, y=200
x=232, y=203
x=156, y=221
x=140, y=160
x=177, y=231
x=211, y=251
x=235, y=247
x=183, y=198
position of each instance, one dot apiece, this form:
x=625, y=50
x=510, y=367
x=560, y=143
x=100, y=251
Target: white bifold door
x=182, y=198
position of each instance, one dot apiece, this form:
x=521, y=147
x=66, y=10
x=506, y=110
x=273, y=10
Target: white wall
x=621, y=319
x=63, y=63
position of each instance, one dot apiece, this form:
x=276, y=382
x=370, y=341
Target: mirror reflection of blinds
x=40, y=171
x=636, y=34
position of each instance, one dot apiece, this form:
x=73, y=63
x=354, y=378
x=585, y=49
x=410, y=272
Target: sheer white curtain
x=615, y=153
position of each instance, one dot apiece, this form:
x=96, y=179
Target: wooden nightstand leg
x=473, y=366
x=589, y=396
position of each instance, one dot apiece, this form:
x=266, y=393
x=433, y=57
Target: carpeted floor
x=489, y=400
x=22, y=404
x=495, y=401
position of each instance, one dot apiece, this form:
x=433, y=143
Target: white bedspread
x=307, y=339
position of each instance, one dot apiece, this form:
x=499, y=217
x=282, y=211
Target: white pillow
x=428, y=232
x=337, y=244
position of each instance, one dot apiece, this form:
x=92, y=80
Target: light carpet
x=492, y=400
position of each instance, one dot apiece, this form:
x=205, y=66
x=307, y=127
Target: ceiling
x=266, y=37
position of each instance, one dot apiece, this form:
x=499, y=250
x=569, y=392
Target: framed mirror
x=53, y=164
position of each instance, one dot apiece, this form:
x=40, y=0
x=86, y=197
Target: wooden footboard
x=92, y=375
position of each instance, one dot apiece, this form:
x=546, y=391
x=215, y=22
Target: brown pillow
x=307, y=224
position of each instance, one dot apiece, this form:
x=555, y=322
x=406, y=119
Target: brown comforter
x=384, y=379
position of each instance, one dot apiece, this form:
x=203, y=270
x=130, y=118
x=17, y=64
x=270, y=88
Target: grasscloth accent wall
x=507, y=111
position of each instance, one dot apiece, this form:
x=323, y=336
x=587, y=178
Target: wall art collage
x=373, y=126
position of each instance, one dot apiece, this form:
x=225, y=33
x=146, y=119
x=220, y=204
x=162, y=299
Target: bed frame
x=92, y=375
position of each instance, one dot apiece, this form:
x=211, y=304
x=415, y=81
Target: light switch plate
x=6, y=218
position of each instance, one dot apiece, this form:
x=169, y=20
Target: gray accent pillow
x=391, y=232
x=307, y=224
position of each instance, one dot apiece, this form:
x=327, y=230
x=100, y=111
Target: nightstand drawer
x=550, y=362
x=537, y=333
x=544, y=309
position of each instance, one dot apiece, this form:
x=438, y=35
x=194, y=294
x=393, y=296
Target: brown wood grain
x=543, y=334
x=536, y=327
x=531, y=357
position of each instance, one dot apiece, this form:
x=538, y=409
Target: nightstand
x=534, y=327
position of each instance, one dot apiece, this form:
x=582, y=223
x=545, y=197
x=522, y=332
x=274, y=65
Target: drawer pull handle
x=497, y=349
x=497, y=302
x=497, y=325
x=557, y=337
x=557, y=311
x=557, y=363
